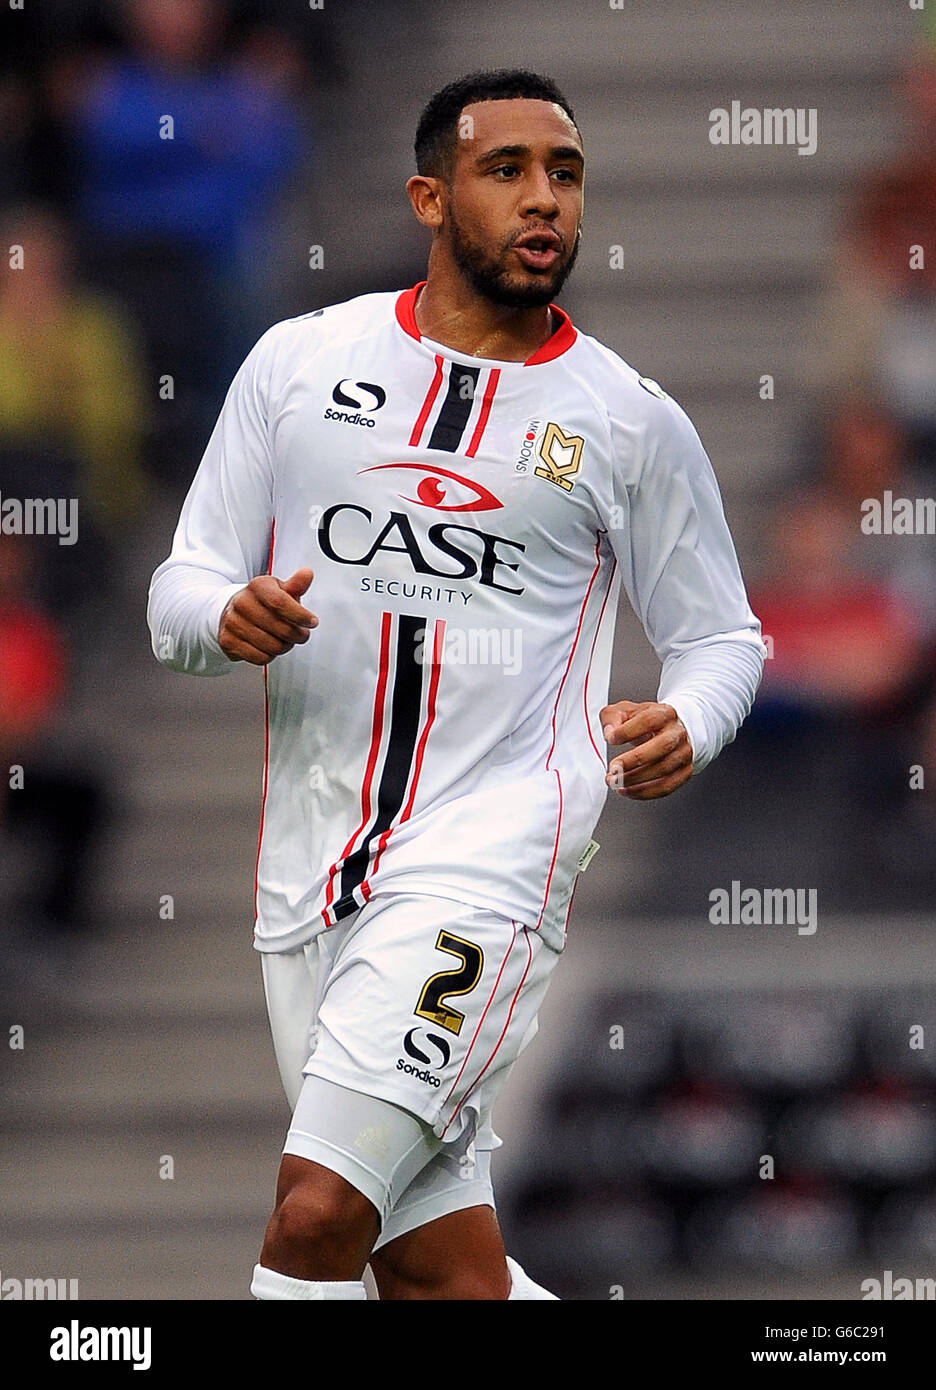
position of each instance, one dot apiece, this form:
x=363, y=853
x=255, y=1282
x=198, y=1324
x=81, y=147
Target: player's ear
x=425, y=194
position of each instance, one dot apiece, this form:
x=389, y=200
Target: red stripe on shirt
x=590, y=656
x=431, y=394
x=486, y=400
x=578, y=630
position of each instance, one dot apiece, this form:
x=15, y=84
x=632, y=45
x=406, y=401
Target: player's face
x=515, y=200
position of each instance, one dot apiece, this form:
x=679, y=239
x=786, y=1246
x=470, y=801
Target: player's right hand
x=266, y=619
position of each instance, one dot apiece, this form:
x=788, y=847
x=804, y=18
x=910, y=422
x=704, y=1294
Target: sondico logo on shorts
x=414, y=1042
x=561, y=456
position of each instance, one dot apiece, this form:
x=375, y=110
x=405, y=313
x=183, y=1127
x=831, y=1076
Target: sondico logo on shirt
x=561, y=456
x=362, y=411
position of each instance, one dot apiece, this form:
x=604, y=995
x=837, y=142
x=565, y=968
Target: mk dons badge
x=561, y=456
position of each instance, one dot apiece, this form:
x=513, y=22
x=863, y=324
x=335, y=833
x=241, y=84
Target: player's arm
x=681, y=573
x=212, y=602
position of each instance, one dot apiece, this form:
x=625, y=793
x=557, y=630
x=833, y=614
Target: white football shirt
x=469, y=523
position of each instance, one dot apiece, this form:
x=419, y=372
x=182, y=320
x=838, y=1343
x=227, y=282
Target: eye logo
x=440, y=1044
x=341, y=397
x=440, y=496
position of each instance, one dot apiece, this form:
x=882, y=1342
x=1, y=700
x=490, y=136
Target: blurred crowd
x=146, y=150
x=834, y=773
x=848, y=592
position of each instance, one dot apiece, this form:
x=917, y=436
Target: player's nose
x=540, y=196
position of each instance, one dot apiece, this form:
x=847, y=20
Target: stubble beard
x=490, y=278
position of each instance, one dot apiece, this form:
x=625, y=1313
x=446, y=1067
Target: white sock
x=269, y=1283
x=522, y=1286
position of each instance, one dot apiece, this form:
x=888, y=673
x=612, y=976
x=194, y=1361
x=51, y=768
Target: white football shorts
x=423, y=1002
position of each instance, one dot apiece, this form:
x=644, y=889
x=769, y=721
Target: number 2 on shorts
x=461, y=980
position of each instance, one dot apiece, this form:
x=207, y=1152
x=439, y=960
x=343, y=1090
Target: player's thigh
x=376, y=1147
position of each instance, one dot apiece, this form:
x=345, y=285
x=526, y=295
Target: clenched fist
x=266, y=619
x=661, y=759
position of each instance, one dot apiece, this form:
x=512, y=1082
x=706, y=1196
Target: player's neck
x=450, y=312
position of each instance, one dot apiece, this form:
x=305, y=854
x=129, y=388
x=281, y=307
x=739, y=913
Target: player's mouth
x=538, y=250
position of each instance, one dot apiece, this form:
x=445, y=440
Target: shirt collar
x=556, y=344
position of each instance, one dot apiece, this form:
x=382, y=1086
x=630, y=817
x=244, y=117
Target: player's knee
x=306, y=1217
x=316, y=1215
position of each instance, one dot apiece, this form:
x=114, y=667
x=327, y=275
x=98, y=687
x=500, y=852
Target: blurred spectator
x=851, y=614
x=69, y=380
x=868, y=453
x=843, y=643
x=820, y=777
x=852, y=631
x=52, y=810
x=880, y=320
x=32, y=657
x=181, y=151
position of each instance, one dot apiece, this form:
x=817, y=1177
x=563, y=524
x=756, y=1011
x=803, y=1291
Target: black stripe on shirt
x=405, y=707
x=453, y=417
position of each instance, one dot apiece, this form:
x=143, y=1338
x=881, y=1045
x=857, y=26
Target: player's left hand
x=661, y=759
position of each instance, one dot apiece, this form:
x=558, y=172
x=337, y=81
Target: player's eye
x=442, y=490
x=506, y=169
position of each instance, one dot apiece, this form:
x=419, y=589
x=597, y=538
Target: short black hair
x=437, y=130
